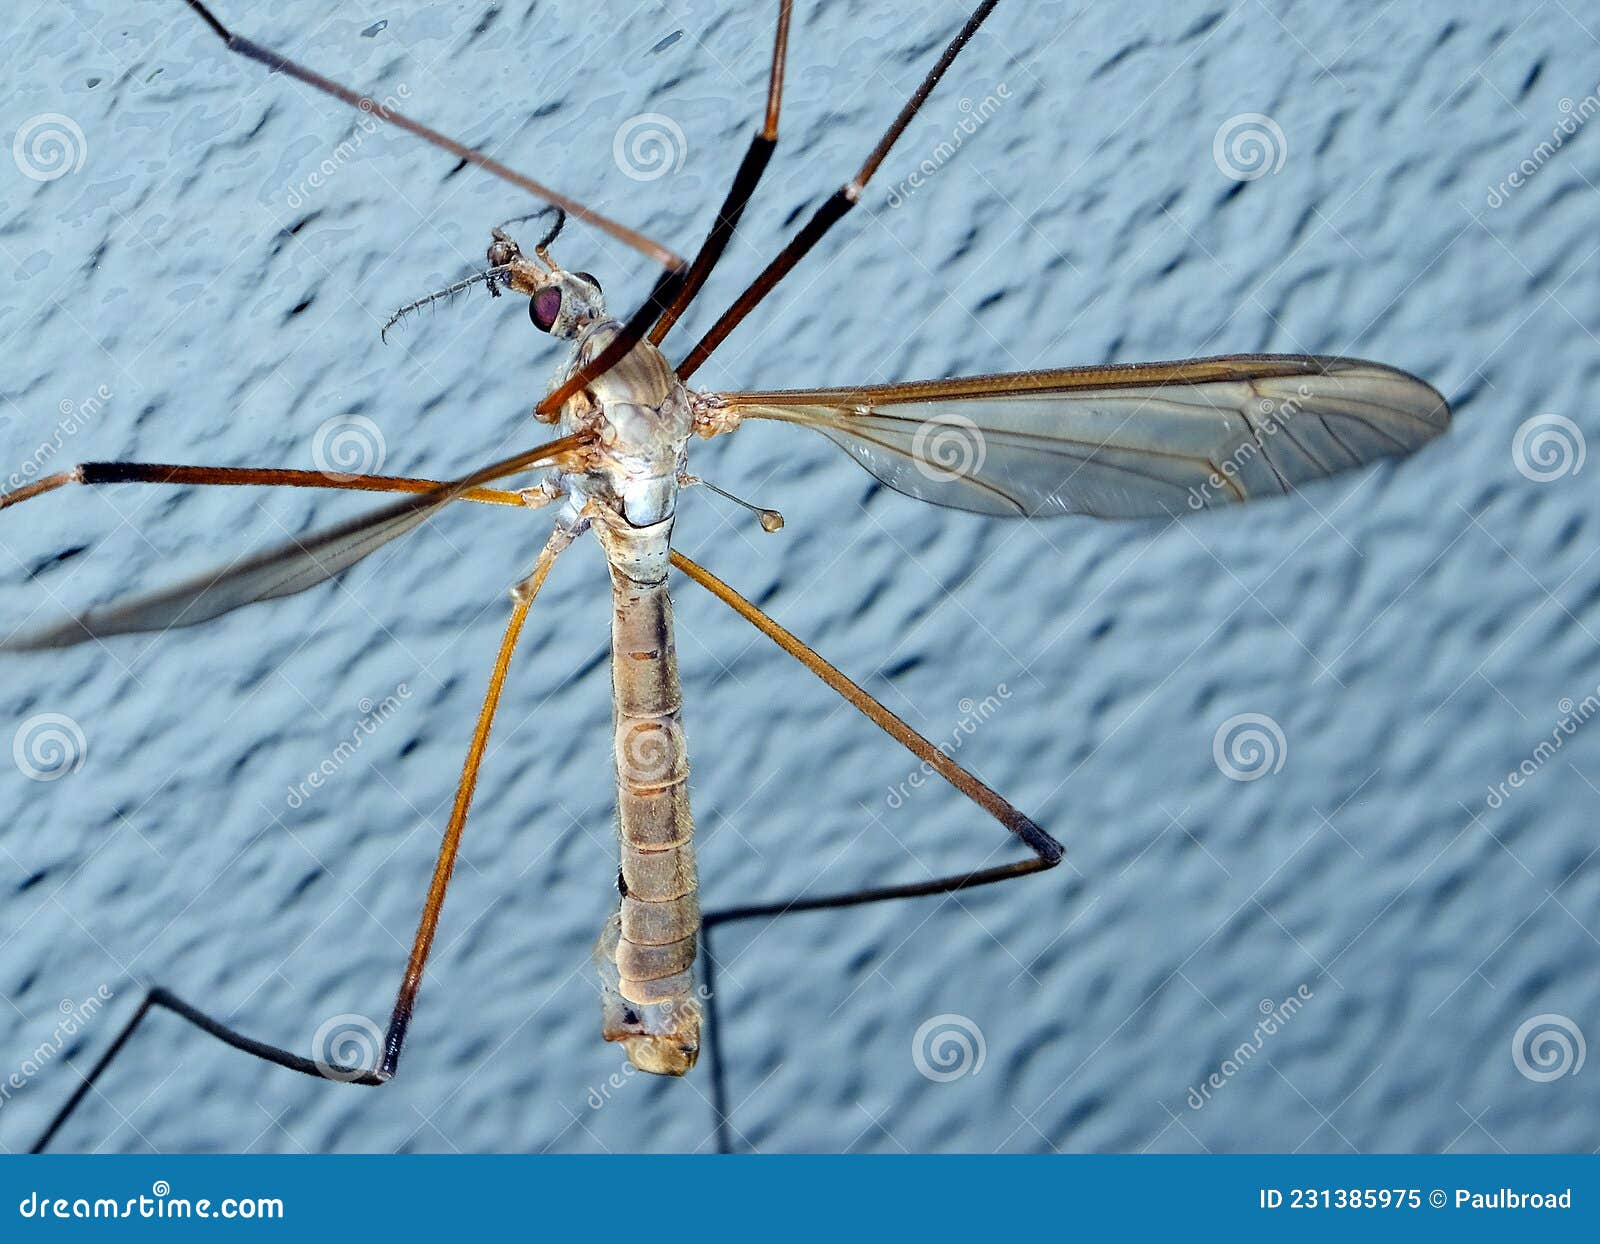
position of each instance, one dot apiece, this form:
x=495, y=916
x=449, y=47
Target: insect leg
x=1046, y=850
x=756, y=156
x=163, y=473
x=675, y=290
x=427, y=926
x=372, y=107
x=832, y=210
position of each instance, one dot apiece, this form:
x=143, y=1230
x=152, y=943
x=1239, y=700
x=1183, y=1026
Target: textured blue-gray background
x=1413, y=632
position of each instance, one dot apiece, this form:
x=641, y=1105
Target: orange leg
x=426, y=928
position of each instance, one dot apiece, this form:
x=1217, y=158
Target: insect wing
x=1137, y=441
x=283, y=571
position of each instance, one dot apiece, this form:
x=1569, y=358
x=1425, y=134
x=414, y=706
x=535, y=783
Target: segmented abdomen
x=650, y=943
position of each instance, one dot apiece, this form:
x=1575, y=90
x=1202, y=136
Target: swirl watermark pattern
x=1249, y=146
x=948, y=447
x=48, y=747
x=346, y=1046
x=1547, y=448
x=948, y=1047
x=1249, y=746
x=650, y=752
x=347, y=446
x=1548, y=1047
x=49, y=146
x=649, y=146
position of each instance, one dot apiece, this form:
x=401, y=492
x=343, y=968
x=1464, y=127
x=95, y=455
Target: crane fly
x=1151, y=440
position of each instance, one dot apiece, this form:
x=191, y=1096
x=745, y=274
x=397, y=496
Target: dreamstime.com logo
x=49, y=747
x=1574, y=116
x=49, y=146
x=1249, y=746
x=1249, y=146
x=74, y=1019
x=1274, y=1017
x=948, y=1047
x=649, y=146
x=157, y=1203
x=975, y=115
x=974, y=713
x=372, y=717
x=74, y=417
x=1548, y=1047
x=372, y=113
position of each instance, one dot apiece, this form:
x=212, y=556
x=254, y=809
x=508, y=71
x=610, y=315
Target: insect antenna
x=554, y=230
x=493, y=277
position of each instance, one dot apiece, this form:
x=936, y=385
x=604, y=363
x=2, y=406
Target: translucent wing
x=291, y=567
x=1135, y=441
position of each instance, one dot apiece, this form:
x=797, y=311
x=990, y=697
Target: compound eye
x=590, y=277
x=544, y=308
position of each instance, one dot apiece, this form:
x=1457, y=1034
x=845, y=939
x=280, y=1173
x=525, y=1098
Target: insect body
x=637, y=417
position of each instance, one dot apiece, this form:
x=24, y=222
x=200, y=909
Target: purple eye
x=544, y=307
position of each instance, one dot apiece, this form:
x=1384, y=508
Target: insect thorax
x=640, y=413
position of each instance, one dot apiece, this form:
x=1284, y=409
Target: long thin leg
x=372, y=107
x=676, y=289
x=427, y=926
x=165, y=473
x=762, y=145
x=1046, y=850
x=833, y=210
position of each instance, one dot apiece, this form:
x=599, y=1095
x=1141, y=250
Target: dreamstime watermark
x=1249, y=146
x=1575, y=115
x=159, y=1204
x=1249, y=746
x=1548, y=1047
x=74, y=415
x=346, y=1047
x=372, y=113
x=649, y=146
x=372, y=717
x=974, y=713
x=600, y=1095
x=948, y=447
x=948, y=1047
x=1271, y=418
x=75, y=1016
x=977, y=114
x=48, y=747
x=1547, y=448
x=1573, y=715
x=49, y=146
x=651, y=751
x=347, y=446
x=1274, y=1016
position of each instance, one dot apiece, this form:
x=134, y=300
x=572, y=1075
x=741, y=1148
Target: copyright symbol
x=1437, y=1198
